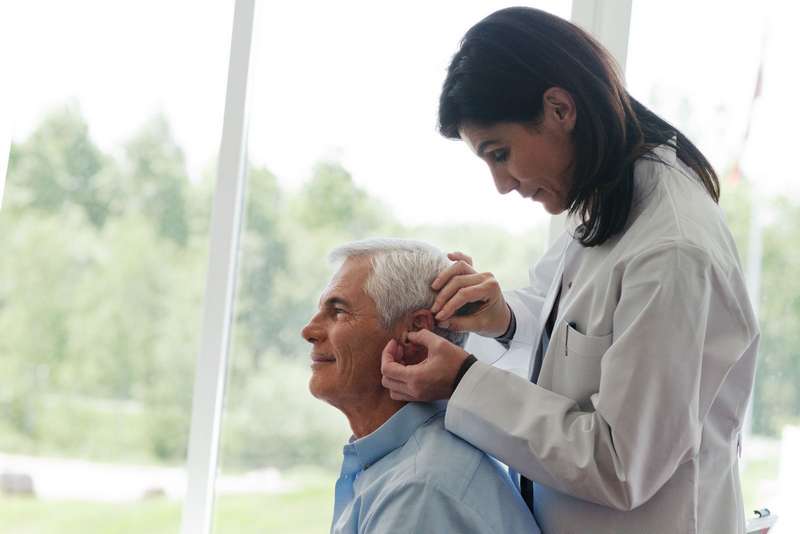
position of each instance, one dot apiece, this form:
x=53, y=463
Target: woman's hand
x=461, y=284
x=432, y=378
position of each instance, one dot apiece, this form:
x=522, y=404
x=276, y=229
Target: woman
x=641, y=334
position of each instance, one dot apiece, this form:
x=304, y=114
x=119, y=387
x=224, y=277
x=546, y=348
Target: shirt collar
x=359, y=454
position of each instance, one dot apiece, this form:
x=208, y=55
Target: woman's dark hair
x=503, y=67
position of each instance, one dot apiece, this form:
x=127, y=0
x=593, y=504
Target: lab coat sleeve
x=653, y=394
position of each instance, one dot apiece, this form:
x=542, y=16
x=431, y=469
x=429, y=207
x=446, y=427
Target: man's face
x=347, y=339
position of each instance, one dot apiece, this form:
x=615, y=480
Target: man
x=402, y=471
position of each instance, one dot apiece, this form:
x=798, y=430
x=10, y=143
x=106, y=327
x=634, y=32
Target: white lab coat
x=635, y=422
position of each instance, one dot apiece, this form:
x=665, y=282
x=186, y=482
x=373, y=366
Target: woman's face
x=536, y=161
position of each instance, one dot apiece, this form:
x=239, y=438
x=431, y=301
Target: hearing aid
x=469, y=308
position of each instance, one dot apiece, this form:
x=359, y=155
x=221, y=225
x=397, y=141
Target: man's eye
x=499, y=156
x=339, y=311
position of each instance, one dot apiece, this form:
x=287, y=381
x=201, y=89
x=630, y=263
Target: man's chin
x=318, y=387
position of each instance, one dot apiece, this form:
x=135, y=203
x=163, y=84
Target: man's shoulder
x=439, y=472
x=434, y=456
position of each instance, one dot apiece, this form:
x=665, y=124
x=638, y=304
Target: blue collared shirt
x=413, y=476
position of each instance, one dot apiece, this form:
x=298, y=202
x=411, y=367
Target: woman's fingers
x=389, y=362
x=426, y=338
x=452, y=287
x=457, y=268
x=394, y=386
x=487, y=290
x=460, y=256
x=429, y=380
x=401, y=396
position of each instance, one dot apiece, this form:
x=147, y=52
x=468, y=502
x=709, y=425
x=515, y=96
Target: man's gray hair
x=401, y=277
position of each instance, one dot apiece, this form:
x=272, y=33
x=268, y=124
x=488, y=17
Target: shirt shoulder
x=438, y=470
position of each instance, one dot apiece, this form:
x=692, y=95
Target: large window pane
x=343, y=145
x=103, y=247
x=724, y=72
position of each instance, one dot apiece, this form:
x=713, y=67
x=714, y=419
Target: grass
x=305, y=511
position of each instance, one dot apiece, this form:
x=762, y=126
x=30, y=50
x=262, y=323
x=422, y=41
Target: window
x=104, y=226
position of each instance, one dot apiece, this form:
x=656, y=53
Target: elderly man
x=402, y=471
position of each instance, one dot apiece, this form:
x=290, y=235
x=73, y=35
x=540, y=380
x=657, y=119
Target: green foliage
x=272, y=421
x=155, y=180
x=776, y=400
x=331, y=200
x=58, y=166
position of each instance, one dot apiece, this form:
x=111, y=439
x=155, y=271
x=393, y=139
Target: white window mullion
x=609, y=22
x=226, y=217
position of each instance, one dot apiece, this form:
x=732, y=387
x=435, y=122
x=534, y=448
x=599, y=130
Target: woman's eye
x=499, y=156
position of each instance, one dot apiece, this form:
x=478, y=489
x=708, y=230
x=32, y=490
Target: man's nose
x=310, y=332
x=504, y=182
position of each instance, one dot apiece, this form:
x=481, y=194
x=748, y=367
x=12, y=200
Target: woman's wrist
x=471, y=359
x=505, y=338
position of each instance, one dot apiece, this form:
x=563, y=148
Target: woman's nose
x=504, y=182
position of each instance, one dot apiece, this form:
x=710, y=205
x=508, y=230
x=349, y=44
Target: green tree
x=260, y=315
x=59, y=165
x=330, y=200
x=776, y=396
x=155, y=179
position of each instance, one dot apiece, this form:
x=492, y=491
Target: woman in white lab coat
x=641, y=334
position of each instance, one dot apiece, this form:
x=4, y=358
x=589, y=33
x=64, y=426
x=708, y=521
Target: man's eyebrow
x=333, y=301
x=482, y=146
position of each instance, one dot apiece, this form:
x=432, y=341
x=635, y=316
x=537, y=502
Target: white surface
x=211, y=367
x=68, y=479
x=786, y=505
x=609, y=22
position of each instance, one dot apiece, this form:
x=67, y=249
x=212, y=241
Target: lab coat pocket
x=583, y=346
x=577, y=367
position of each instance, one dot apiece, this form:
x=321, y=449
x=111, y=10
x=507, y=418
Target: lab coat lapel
x=548, y=307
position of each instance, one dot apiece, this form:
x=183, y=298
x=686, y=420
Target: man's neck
x=369, y=414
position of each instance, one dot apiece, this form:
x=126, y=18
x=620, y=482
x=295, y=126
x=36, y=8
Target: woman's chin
x=553, y=209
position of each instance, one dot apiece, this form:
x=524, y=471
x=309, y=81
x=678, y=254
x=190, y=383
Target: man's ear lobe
x=421, y=319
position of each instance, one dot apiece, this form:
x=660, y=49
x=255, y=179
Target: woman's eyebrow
x=482, y=146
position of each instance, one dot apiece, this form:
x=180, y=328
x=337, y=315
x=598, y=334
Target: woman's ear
x=559, y=108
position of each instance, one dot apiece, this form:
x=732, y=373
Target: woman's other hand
x=461, y=284
x=431, y=379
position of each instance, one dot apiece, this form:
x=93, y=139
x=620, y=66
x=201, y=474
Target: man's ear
x=414, y=354
x=559, y=107
x=421, y=319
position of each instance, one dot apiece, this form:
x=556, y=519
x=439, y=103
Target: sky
x=358, y=82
